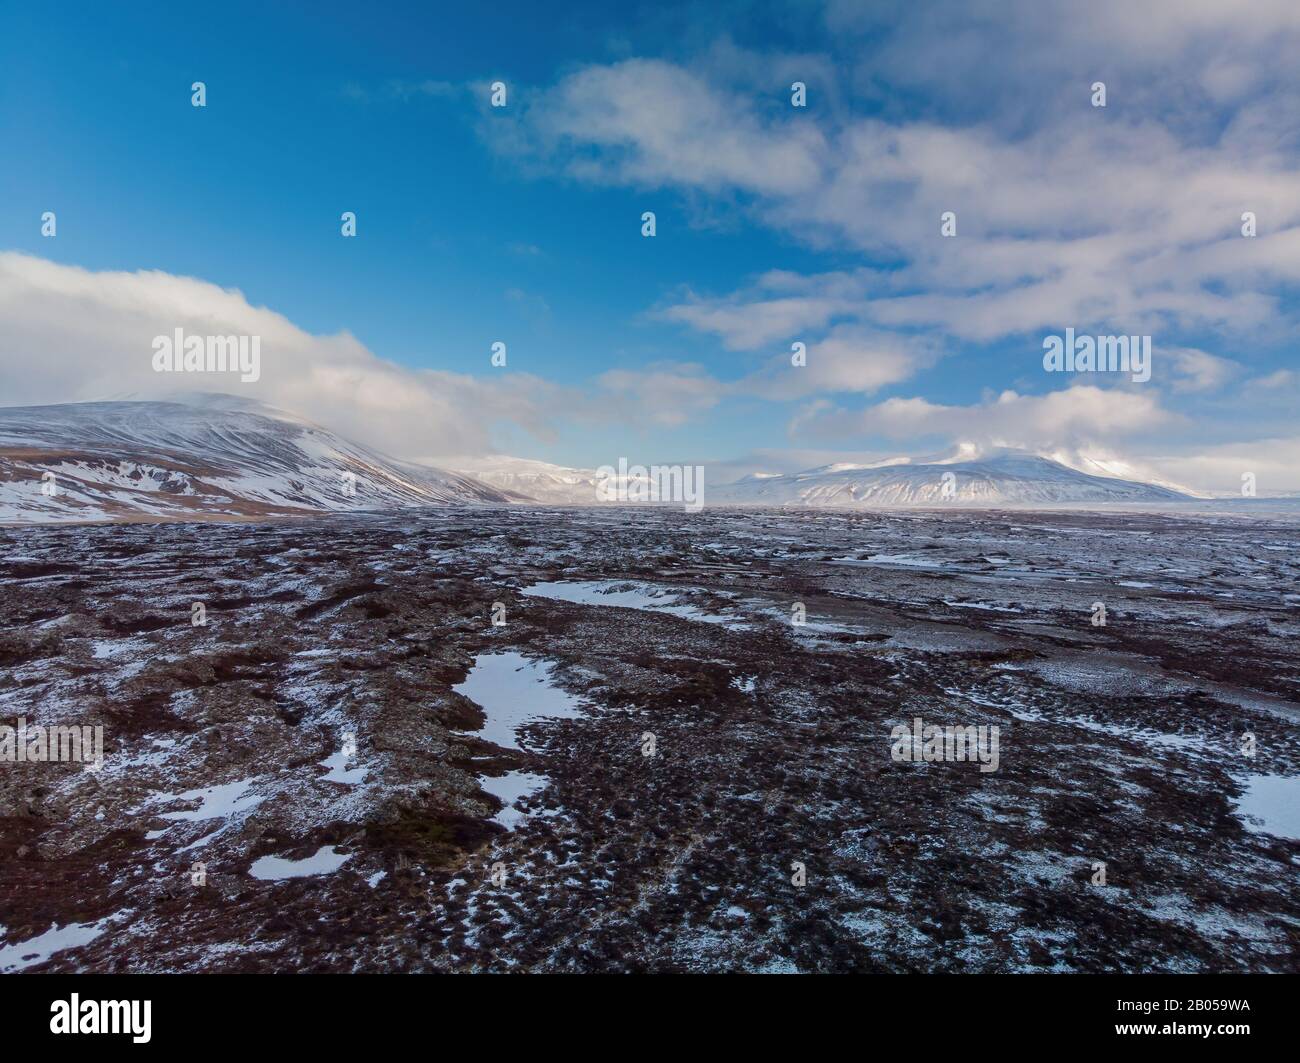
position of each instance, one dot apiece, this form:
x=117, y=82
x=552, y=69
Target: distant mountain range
x=963, y=476
x=1002, y=477
x=535, y=481
x=221, y=456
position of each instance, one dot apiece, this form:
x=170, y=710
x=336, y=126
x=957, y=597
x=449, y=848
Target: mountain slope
x=1107, y=466
x=1006, y=477
x=209, y=455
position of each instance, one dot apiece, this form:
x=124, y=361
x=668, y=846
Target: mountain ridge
x=134, y=459
x=207, y=455
x=1005, y=477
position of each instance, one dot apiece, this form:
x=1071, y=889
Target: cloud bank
x=69, y=334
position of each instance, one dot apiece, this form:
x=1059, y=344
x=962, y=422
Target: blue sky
x=775, y=224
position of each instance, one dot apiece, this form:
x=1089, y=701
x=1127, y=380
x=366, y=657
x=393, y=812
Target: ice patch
x=905, y=560
x=512, y=690
x=274, y=868
x=625, y=595
x=986, y=606
x=340, y=772
x=40, y=948
x=509, y=788
x=215, y=802
x=1271, y=805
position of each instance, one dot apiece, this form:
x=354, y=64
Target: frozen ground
x=351, y=767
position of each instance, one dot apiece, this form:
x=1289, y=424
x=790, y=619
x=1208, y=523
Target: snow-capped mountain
x=535, y=481
x=527, y=480
x=1109, y=466
x=217, y=455
x=1004, y=477
x=205, y=456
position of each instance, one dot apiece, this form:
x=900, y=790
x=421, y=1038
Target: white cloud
x=1199, y=370
x=746, y=326
x=667, y=395
x=658, y=123
x=1274, y=462
x=1119, y=219
x=70, y=334
x=1272, y=383
x=847, y=359
x=1058, y=419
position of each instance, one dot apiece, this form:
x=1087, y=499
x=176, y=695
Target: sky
x=775, y=224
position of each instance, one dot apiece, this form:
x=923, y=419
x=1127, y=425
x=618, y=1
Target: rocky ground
x=297, y=784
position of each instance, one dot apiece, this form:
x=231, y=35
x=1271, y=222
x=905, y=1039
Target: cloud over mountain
x=76, y=334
